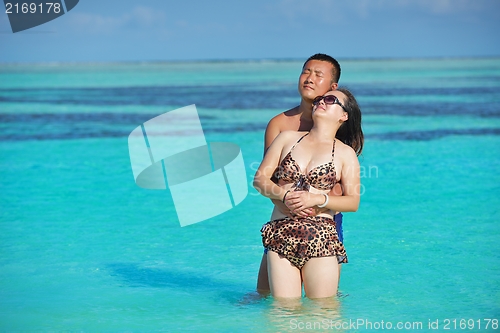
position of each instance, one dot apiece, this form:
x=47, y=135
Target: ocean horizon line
x=242, y=60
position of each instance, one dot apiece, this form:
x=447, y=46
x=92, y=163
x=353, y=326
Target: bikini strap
x=333, y=148
x=298, y=141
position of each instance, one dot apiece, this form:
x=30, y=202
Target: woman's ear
x=345, y=117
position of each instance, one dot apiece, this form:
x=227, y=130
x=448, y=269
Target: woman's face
x=331, y=102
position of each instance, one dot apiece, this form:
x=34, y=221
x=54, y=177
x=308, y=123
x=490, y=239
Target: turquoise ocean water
x=82, y=248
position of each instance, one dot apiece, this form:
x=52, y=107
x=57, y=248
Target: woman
x=308, y=165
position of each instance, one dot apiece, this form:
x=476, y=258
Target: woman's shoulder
x=344, y=150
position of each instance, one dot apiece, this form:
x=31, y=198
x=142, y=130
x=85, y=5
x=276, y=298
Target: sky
x=165, y=30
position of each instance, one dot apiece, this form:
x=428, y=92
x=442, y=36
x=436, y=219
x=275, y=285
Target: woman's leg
x=262, y=278
x=321, y=277
x=284, y=278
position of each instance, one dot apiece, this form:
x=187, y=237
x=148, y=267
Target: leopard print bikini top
x=322, y=177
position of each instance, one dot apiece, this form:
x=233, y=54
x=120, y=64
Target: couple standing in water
x=311, y=172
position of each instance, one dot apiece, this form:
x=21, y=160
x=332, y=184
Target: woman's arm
x=351, y=185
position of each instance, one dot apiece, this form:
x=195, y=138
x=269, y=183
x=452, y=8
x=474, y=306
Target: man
x=320, y=74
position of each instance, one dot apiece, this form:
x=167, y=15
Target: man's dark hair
x=331, y=60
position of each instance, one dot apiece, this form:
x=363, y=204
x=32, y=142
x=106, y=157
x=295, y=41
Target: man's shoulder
x=292, y=112
x=284, y=118
x=279, y=123
x=290, y=135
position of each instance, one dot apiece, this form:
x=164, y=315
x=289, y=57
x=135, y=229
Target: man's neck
x=305, y=121
x=305, y=110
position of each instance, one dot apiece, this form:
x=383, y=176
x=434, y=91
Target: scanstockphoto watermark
x=27, y=14
x=486, y=324
x=171, y=151
x=355, y=324
x=365, y=172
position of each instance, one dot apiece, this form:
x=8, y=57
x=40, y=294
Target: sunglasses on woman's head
x=328, y=99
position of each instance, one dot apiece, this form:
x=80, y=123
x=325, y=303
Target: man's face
x=316, y=79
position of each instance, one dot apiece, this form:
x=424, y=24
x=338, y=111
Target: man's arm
x=272, y=130
x=262, y=180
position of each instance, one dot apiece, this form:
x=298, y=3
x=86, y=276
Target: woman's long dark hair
x=350, y=131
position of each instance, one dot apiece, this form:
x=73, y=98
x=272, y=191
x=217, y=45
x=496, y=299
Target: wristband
x=284, y=197
x=326, y=201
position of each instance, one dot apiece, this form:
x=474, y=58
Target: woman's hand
x=300, y=203
x=282, y=207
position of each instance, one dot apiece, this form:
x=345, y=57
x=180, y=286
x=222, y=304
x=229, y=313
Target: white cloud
x=145, y=16
x=95, y=23
x=139, y=17
x=307, y=12
x=434, y=6
x=335, y=11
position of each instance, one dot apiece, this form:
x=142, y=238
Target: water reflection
x=304, y=314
